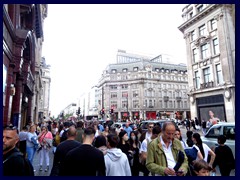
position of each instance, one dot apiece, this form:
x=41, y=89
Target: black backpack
x=29, y=171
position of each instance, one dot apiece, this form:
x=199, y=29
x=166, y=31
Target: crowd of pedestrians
x=93, y=149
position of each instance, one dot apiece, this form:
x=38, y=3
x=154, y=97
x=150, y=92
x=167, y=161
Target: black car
x=144, y=124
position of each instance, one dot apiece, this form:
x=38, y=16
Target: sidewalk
x=36, y=162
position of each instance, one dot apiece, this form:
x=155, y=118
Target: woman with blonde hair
x=45, y=139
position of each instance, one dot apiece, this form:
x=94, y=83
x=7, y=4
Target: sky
x=80, y=40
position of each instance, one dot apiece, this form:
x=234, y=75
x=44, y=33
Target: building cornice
x=198, y=17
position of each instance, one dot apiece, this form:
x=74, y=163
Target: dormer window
x=200, y=8
x=124, y=70
x=114, y=70
x=157, y=70
x=135, y=69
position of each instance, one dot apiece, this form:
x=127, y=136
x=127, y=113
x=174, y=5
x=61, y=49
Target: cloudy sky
x=80, y=40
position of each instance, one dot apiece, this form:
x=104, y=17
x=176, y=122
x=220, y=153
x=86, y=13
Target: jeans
x=30, y=153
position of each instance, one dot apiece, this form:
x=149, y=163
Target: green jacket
x=156, y=159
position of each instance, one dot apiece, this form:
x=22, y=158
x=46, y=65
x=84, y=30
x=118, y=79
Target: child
x=201, y=168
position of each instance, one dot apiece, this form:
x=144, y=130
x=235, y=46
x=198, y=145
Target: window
x=213, y=24
x=197, y=80
x=214, y=132
x=150, y=103
x=200, y=8
x=206, y=74
x=193, y=35
x=124, y=70
x=194, y=51
x=160, y=104
x=124, y=86
x=135, y=104
x=190, y=15
x=219, y=74
x=215, y=46
x=134, y=86
x=124, y=77
x=202, y=30
x=135, y=93
x=204, y=51
x=124, y=94
x=149, y=75
x=124, y=104
x=114, y=70
x=135, y=69
x=113, y=95
x=113, y=86
x=114, y=104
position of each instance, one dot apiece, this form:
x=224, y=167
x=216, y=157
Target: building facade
x=22, y=47
x=209, y=32
x=44, y=91
x=142, y=87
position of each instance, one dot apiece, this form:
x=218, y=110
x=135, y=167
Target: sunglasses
x=10, y=127
x=150, y=126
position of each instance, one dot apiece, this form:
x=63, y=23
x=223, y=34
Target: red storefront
x=135, y=115
x=151, y=115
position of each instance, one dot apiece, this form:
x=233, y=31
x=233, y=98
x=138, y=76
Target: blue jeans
x=30, y=153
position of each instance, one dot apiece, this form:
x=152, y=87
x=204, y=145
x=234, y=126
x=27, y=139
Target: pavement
x=36, y=164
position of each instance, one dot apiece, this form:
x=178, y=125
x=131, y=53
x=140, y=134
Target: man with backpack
x=14, y=163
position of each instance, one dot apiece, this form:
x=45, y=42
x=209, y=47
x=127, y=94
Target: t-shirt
x=206, y=150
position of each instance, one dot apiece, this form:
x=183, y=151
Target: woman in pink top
x=45, y=139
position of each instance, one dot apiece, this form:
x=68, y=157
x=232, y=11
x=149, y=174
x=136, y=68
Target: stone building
x=22, y=50
x=44, y=91
x=209, y=32
x=142, y=87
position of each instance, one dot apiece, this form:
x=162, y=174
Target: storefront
x=135, y=115
x=151, y=115
x=215, y=104
x=124, y=116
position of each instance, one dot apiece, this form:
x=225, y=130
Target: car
x=120, y=125
x=222, y=128
x=143, y=125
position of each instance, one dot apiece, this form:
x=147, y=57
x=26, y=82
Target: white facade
x=209, y=32
x=140, y=87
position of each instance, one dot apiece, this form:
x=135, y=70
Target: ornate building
x=22, y=48
x=209, y=32
x=143, y=87
x=44, y=91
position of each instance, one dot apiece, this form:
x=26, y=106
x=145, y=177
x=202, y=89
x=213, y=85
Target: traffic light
x=79, y=110
x=103, y=111
x=111, y=110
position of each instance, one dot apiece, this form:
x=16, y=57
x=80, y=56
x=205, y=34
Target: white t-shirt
x=144, y=145
x=206, y=150
x=148, y=135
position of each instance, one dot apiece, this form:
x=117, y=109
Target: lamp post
x=127, y=106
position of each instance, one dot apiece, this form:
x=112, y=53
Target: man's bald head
x=72, y=132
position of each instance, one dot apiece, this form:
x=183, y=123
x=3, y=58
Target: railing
x=206, y=85
x=165, y=98
x=178, y=98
